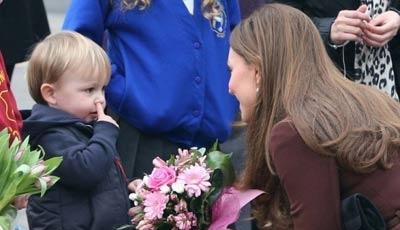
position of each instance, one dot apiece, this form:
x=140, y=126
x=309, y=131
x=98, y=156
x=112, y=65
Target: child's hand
x=101, y=116
x=21, y=201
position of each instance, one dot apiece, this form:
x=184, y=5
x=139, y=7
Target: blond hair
x=60, y=52
x=357, y=125
x=210, y=8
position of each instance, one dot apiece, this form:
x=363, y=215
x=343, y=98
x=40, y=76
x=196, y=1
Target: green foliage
x=22, y=171
x=222, y=161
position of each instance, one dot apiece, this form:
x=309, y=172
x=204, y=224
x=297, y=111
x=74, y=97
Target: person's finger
x=348, y=37
x=350, y=30
x=377, y=21
x=355, y=15
x=363, y=8
x=380, y=38
x=99, y=108
x=379, y=30
x=373, y=43
x=21, y=202
x=132, y=186
x=350, y=22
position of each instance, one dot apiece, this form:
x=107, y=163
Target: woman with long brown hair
x=314, y=137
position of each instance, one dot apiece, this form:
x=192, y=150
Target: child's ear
x=47, y=91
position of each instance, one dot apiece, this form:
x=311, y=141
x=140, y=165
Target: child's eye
x=89, y=90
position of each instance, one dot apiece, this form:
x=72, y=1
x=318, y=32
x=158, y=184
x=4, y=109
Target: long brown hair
x=210, y=8
x=356, y=124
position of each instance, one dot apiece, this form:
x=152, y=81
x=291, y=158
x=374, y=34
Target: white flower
x=165, y=189
x=133, y=196
x=178, y=186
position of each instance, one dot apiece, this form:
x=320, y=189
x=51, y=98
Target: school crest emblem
x=218, y=24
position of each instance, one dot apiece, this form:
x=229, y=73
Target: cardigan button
x=197, y=45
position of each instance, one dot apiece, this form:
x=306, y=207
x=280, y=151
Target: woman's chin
x=244, y=117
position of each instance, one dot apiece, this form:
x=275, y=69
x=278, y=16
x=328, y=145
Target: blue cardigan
x=169, y=71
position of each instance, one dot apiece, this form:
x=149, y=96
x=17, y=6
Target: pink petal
x=225, y=210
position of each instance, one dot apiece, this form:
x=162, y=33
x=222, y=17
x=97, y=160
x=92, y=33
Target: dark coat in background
x=22, y=24
x=248, y=6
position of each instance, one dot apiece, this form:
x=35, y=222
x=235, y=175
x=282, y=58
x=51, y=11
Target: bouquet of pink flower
x=189, y=191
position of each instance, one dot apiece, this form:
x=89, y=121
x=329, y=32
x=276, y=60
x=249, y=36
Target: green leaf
x=15, y=176
x=6, y=217
x=164, y=226
x=214, y=147
x=8, y=195
x=171, y=160
x=218, y=185
x=200, y=207
x=220, y=160
x=43, y=186
x=7, y=161
x=4, y=137
x=51, y=164
x=24, y=169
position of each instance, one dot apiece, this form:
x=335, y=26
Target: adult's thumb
x=363, y=8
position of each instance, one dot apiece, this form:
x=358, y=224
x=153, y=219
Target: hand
x=349, y=25
x=382, y=29
x=21, y=202
x=135, y=213
x=101, y=116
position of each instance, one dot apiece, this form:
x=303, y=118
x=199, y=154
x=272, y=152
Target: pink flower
x=181, y=206
x=183, y=158
x=161, y=176
x=196, y=179
x=137, y=186
x=183, y=153
x=155, y=204
x=185, y=221
x=158, y=162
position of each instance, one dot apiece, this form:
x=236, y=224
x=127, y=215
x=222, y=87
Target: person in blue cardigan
x=169, y=72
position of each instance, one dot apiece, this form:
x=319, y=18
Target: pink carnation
x=155, y=204
x=163, y=175
x=196, y=179
x=185, y=221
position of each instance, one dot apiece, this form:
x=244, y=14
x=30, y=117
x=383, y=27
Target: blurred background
x=55, y=14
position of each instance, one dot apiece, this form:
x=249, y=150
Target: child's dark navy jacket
x=92, y=192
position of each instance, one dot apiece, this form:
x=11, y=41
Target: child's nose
x=100, y=99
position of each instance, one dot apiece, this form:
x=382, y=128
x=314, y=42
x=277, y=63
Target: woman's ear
x=47, y=91
x=258, y=77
